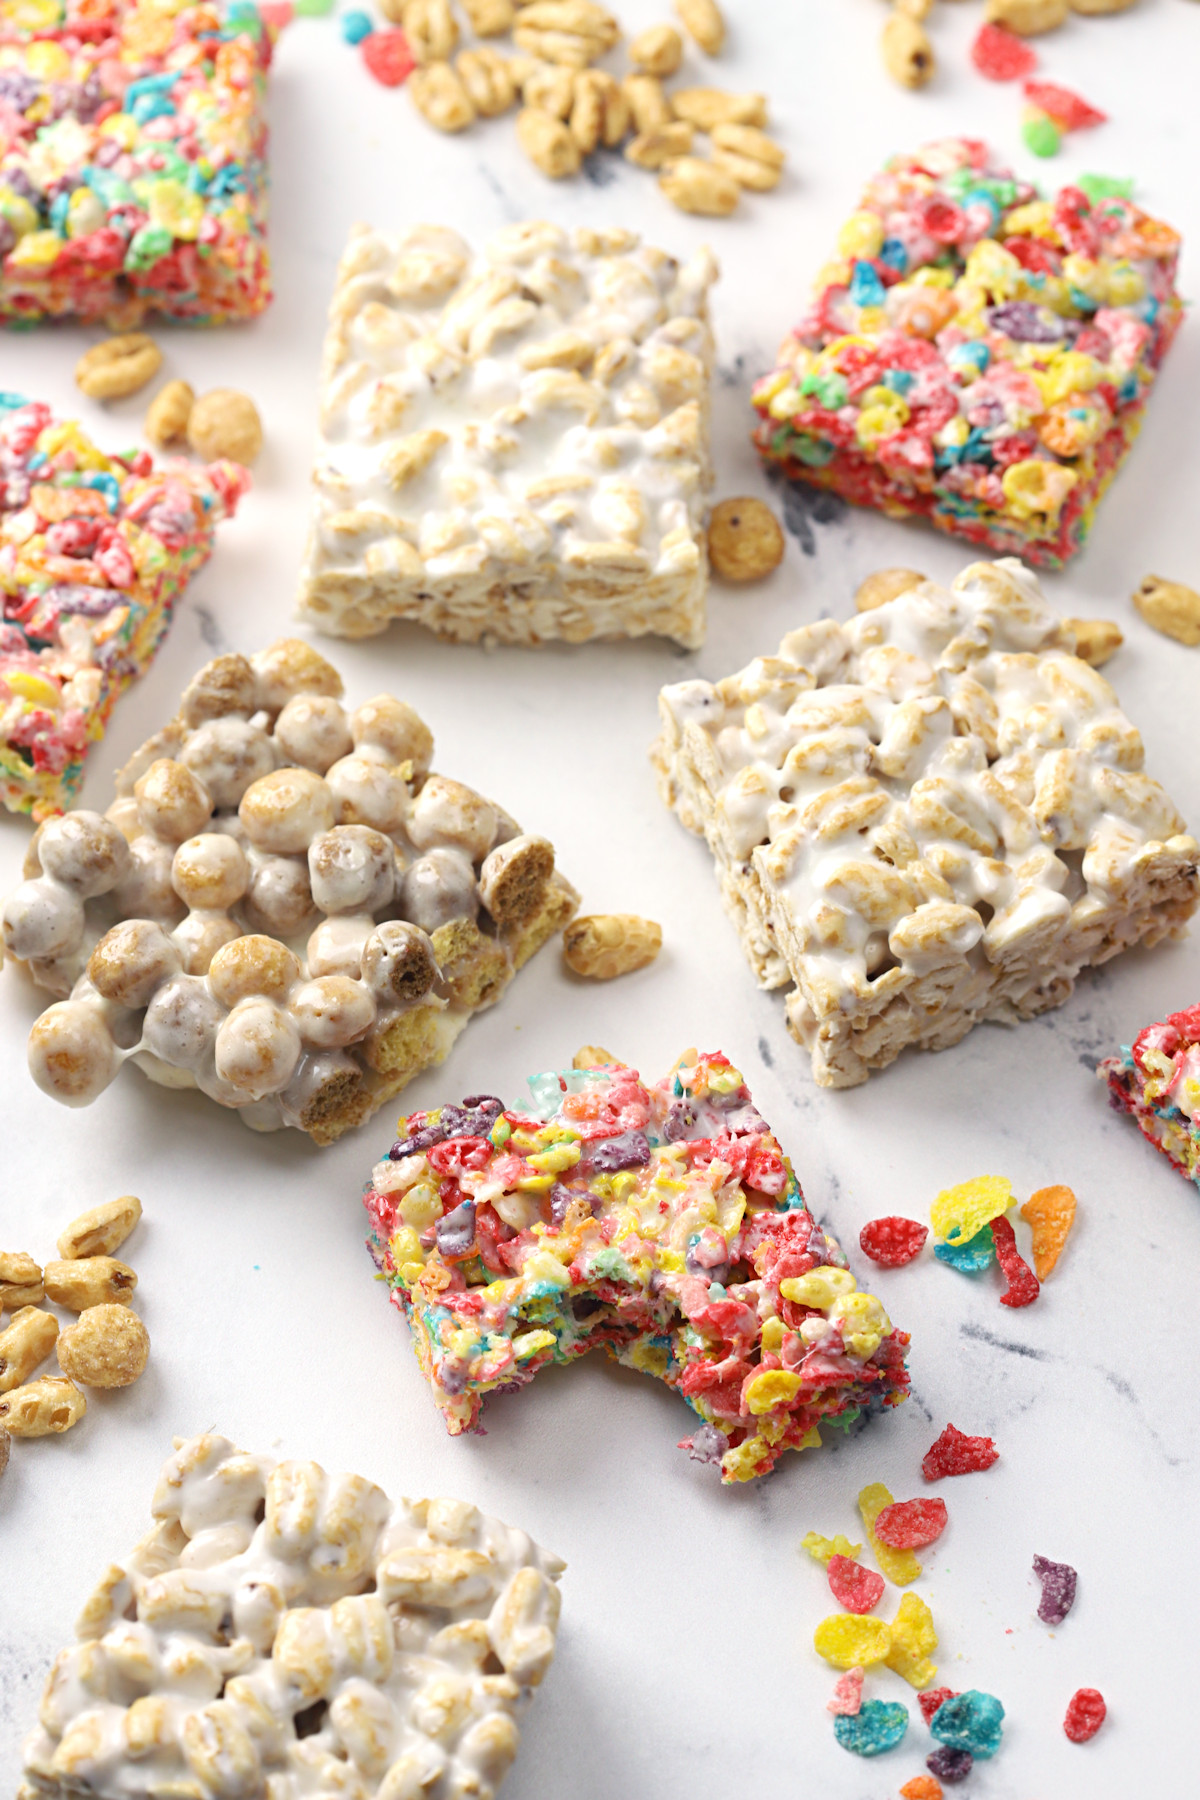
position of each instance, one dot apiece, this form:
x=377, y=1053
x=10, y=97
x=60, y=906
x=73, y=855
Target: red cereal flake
x=893, y=1241
x=931, y=1699
x=1085, y=1715
x=388, y=57
x=855, y=1588
x=1068, y=110
x=1023, y=1285
x=907, y=1524
x=957, y=1454
x=1000, y=54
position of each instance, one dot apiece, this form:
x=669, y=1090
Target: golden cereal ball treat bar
x=514, y=442
x=284, y=907
x=95, y=550
x=662, y=1222
x=928, y=816
x=280, y=1631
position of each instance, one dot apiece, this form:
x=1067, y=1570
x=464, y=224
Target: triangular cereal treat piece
x=1157, y=1080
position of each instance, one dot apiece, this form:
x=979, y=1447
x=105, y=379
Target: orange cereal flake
x=1050, y=1213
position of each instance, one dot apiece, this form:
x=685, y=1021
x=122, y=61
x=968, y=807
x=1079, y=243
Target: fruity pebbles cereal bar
x=284, y=907
x=133, y=173
x=976, y=356
x=514, y=444
x=927, y=817
x=280, y=1631
x=663, y=1223
x=94, y=552
x=1157, y=1080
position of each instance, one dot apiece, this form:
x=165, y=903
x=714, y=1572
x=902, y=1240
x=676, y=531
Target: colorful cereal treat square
x=285, y=906
x=295, y=1632
x=661, y=1222
x=133, y=178
x=514, y=443
x=1156, y=1079
x=94, y=552
x=976, y=356
x=930, y=816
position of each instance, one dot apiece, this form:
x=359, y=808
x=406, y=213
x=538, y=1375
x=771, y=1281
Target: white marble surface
x=686, y=1666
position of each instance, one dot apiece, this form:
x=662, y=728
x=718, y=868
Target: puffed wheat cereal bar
x=133, y=178
x=976, y=356
x=280, y=1632
x=927, y=817
x=94, y=552
x=663, y=1223
x=1156, y=1079
x=514, y=444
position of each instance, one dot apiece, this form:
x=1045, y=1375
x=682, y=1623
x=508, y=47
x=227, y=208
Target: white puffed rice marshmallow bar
x=280, y=1632
x=514, y=445
x=927, y=817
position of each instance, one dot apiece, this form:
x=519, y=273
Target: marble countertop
x=685, y=1665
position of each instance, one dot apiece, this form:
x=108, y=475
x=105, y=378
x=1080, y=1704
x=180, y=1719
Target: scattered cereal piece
x=1105, y=187
x=1058, y=1589
x=959, y=1212
x=955, y=1453
x=1028, y=18
x=913, y=1637
x=878, y=1725
x=950, y=1765
x=44, y=1408
x=1170, y=607
x=119, y=366
x=356, y=25
x=823, y=1549
x=970, y=1256
x=1085, y=1715
x=388, y=56
x=79, y=1282
x=972, y=1721
x=900, y=1566
x=594, y=1056
x=1068, y=110
x=101, y=1229
x=1040, y=134
x=28, y=1341
x=1023, y=1285
x=21, y=1282
x=931, y=1699
x=657, y=50
x=850, y=1642
x=1000, y=55
x=893, y=1241
x=921, y=1787
x=697, y=186
x=909, y=1524
x=847, y=1693
x=1051, y=1213
x=106, y=1347
x=1096, y=640
x=168, y=414
x=854, y=1587
x=224, y=422
x=907, y=52
x=703, y=21
x=602, y=946
x=745, y=540
x=884, y=585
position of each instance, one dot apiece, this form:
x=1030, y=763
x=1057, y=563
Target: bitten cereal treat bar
x=283, y=1632
x=976, y=356
x=1157, y=1081
x=664, y=1223
x=514, y=445
x=927, y=817
x=94, y=552
x=133, y=175
x=283, y=907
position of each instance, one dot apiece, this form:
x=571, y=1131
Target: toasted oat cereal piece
x=42, y=1408
x=489, y=80
x=489, y=18
x=21, y=1281
x=604, y=945
x=706, y=107
x=1096, y=640
x=106, y=1347
x=118, y=367
x=80, y=1282
x=593, y=1056
x=884, y=585
x=224, y=422
x=1170, y=607
x=704, y=22
x=749, y=155
x=28, y=1341
x=657, y=51
x=548, y=143
x=697, y=186
x=440, y=97
x=649, y=106
x=907, y=52
x=168, y=414
x=745, y=540
x=1028, y=18
x=662, y=144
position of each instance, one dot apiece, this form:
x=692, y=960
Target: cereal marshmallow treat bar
x=1157, y=1081
x=663, y=1223
x=133, y=170
x=976, y=356
x=283, y=907
x=94, y=552
x=280, y=1632
x=927, y=817
x=514, y=445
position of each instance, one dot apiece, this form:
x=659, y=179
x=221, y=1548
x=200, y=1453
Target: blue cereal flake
x=356, y=26
x=972, y=1255
x=877, y=1726
x=970, y=1722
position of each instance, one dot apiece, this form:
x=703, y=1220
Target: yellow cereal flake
x=821, y=1549
x=959, y=1212
x=851, y=1642
x=913, y=1636
x=820, y=1287
x=900, y=1566
x=1051, y=1214
x=774, y=1387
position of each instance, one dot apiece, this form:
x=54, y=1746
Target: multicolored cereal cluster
x=133, y=174
x=663, y=1223
x=1157, y=1080
x=94, y=552
x=976, y=356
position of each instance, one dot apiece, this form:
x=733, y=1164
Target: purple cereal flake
x=1058, y=1589
x=455, y=1231
x=706, y=1444
x=1027, y=322
x=950, y=1765
x=629, y=1150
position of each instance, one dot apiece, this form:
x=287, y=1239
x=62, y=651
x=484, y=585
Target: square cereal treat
x=94, y=552
x=284, y=907
x=929, y=816
x=663, y=1223
x=134, y=176
x=976, y=356
x=282, y=1632
x=514, y=444
x=1157, y=1080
